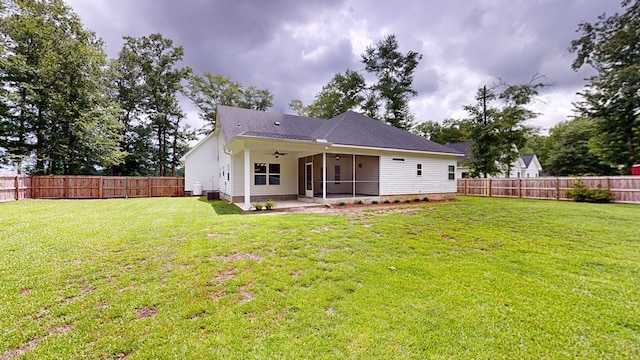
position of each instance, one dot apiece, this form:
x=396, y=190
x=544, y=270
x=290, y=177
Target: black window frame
x=265, y=174
x=274, y=174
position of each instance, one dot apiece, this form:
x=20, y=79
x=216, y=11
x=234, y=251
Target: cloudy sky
x=294, y=47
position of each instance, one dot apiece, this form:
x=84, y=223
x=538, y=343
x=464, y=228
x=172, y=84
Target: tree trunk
x=39, y=170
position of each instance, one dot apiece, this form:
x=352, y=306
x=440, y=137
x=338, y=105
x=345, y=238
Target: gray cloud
x=295, y=47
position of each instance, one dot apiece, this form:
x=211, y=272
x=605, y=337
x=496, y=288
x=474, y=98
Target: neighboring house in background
x=532, y=168
x=526, y=166
x=258, y=156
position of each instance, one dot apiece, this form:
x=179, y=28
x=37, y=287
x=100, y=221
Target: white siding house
x=523, y=167
x=259, y=156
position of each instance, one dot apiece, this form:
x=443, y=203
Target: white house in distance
x=526, y=166
x=259, y=156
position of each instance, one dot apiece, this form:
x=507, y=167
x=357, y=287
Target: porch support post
x=324, y=176
x=353, y=175
x=247, y=178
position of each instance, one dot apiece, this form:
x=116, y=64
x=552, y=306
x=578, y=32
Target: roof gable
x=527, y=159
x=531, y=161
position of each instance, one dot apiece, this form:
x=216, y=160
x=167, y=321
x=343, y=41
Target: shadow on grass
x=222, y=207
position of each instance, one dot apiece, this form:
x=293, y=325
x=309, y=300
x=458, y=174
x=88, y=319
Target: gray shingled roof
x=237, y=121
x=527, y=159
x=461, y=148
x=349, y=128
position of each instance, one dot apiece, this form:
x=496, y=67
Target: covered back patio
x=347, y=176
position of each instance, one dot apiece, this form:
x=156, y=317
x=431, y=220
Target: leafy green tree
x=392, y=91
x=344, y=92
x=135, y=136
x=156, y=59
x=534, y=144
x=53, y=77
x=499, y=126
x=209, y=91
x=611, y=46
x=569, y=152
x=450, y=131
x=394, y=73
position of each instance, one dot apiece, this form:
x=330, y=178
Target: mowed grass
x=181, y=278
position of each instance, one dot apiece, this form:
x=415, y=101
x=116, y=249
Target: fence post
x=17, y=185
x=100, y=186
x=466, y=191
x=608, y=183
x=149, y=186
x=490, y=195
x=557, y=188
x=65, y=185
x=126, y=187
x=519, y=187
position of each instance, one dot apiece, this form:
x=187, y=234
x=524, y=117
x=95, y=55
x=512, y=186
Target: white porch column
x=247, y=178
x=353, y=175
x=324, y=176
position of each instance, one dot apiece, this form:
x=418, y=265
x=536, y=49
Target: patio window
x=274, y=174
x=260, y=173
x=452, y=172
x=336, y=177
x=419, y=169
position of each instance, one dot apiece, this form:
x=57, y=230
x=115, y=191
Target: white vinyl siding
x=400, y=178
x=288, y=174
x=201, y=165
x=223, y=170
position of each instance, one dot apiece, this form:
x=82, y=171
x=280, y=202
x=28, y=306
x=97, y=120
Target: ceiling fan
x=277, y=154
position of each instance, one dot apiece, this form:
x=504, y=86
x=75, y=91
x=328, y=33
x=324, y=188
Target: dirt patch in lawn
x=356, y=209
x=17, y=352
x=25, y=292
x=243, y=256
x=226, y=275
x=33, y=343
x=147, y=312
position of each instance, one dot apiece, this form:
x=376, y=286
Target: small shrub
x=358, y=202
x=341, y=203
x=386, y=202
x=601, y=195
x=396, y=201
x=374, y=202
x=407, y=201
x=425, y=199
x=270, y=205
x=581, y=193
x=416, y=199
x=258, y=206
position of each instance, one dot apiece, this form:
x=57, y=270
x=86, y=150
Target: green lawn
x=182, y=278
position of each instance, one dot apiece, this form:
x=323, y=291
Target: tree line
x=602, y=138
x=67, y=108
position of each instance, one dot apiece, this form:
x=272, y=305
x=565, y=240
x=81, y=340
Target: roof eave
x=184, y=157
x=317, y=141
x=396, y=150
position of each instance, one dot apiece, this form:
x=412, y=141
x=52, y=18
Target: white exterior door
x=308, y=180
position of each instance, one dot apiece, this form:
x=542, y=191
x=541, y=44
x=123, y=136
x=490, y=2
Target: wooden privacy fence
x=87, y=187
x=625, y=189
